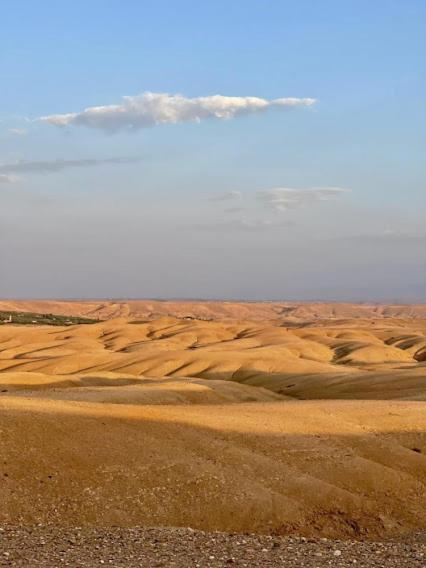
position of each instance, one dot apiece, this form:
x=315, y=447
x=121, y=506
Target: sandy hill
x=216, y=310
x=360, y=358
x=220, y=424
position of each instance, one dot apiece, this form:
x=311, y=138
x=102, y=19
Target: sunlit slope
x=344, y=359
x=310, y=467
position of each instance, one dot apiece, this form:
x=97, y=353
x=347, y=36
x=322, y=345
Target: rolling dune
x=383, y=358
x=217, y=424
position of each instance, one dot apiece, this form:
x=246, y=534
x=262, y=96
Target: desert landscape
x=213, y=284
x=308, y=423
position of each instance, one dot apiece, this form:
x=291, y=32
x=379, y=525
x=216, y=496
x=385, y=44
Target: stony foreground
x=140, y=547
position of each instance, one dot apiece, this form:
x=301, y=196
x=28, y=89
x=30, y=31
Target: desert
x=213, y=284
x=311, y=426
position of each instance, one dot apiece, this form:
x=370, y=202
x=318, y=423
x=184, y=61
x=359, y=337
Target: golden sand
x=220, y=424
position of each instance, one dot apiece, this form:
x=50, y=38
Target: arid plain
x=278, y=418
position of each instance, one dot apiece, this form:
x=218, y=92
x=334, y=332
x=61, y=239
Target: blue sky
x=190, y=208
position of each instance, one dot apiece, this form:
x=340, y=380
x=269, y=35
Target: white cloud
x=284, y=198
x=152, y=109
x=6, y=178
x=18, y=131
x=248, y=217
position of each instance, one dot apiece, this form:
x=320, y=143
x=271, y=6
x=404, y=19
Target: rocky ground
x=141, y=547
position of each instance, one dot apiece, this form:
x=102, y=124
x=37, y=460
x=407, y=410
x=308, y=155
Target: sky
x=253, y=150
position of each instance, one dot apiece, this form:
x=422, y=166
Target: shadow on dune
x=72, y=383
x=396, y=383
x=137, y=391
x=392, y=384
x=312, y=468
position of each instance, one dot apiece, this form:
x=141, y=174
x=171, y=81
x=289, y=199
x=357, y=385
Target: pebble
x=182, y=548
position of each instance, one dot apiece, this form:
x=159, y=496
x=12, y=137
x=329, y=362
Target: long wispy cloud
x=152, y=109
x=284, y=198
x=390, y=237
x=52, y=166
x=243, y=224
x=226, y=196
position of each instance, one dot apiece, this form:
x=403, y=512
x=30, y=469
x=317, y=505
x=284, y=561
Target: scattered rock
x=182, y=548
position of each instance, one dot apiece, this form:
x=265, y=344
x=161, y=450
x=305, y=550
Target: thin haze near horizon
x=244, y=150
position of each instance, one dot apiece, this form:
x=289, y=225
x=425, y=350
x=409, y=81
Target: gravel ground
x=142, y=547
